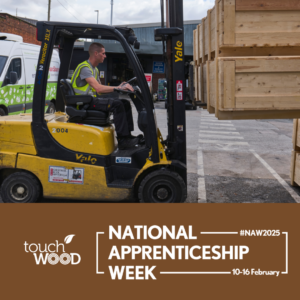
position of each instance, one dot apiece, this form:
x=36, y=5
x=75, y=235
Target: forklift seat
x=81, y=115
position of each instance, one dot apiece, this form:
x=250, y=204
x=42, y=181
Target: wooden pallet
x=259, y=83
x=249, y=28
x=253, y=87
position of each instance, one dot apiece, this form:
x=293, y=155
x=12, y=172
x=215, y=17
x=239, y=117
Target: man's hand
x=125, y=86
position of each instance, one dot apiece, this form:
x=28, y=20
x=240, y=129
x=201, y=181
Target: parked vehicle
x=18, y=63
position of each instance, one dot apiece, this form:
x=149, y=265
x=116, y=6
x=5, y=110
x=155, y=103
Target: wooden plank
x=212, y=80
x=267, y=5
x=195, y=83
x=204, y=84
x=268, y=39
x=295, y=133
x=297, y=168
x=194, y=46
x=244, y=19
x=220, y=22
x=293, y=165
x=229, y=84
x=272, y=65
x=203, y=40
x=208, y=83
x=208, y=19
x=213, y=29
x=263, y=102
x=258, y=115
x=259, y=51
x=267, y=84
x=200, y=83
x=218, y=34
x=229, y=22
x=277, y=26
x=297, y=144
x=200, y=54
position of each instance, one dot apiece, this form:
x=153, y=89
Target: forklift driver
x=86, y=80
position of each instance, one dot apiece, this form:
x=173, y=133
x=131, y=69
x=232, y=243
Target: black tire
x=20, y=187
x=162, y=186
x=2, y=112
x=51, y=108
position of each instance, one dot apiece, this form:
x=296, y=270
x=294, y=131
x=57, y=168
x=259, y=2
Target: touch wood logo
x=48, y=253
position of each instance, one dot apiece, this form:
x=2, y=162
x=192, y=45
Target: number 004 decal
x=60, y=130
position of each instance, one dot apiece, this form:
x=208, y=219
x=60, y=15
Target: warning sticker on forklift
x=179, y=96
x=64, y=175
x=179, y=87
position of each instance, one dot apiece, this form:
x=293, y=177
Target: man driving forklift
x=86, y=80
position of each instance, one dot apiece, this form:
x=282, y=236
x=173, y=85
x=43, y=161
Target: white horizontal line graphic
x=219, y=232
x=195, y=272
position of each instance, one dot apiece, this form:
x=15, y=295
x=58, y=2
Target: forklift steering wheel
x=123, y=91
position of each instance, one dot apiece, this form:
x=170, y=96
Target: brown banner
x=134, y=251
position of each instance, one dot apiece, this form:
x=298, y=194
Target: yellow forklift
x=73, y=153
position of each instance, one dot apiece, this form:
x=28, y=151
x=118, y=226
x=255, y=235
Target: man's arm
x=104, y=89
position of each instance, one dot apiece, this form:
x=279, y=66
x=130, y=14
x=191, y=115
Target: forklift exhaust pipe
x=167, y=14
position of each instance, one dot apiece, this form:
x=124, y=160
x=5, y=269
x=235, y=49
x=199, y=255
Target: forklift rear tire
x=20, y=187
x=162, y=186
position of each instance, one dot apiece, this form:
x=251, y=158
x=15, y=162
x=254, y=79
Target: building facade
x=19, y=26
x=116, y=67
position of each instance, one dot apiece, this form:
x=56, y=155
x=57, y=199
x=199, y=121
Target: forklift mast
x=173, y=34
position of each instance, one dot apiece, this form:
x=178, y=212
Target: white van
x=18, y=63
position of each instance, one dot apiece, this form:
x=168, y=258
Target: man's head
x=97, y=53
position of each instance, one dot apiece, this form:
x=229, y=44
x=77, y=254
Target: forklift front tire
x=20, y=187
x=162, y=186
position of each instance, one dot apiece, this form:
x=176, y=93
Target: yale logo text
x=179, y=52
x=81, y=158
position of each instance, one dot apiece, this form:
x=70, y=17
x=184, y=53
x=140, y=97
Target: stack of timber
x=247, y=54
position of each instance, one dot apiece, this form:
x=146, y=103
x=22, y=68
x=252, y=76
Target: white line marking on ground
x=223, y=142
x=218, y=128
x=279, y=179
x=222, y=132
x=201, y=179
x=215, y=121
x=216, y=136
x=200, y=163
x=201, y=190
x=216, y=124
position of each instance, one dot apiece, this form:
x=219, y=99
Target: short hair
x=95, y=47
